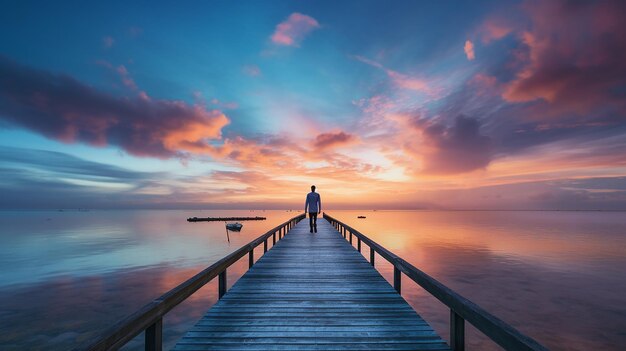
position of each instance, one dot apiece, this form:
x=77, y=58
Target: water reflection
x=557, y=276
x=68, y=275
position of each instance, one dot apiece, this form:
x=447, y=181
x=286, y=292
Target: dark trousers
x=313, y=221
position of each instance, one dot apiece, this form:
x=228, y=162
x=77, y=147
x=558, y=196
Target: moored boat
x=234, y=226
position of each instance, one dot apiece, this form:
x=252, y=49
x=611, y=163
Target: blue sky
x=381, y=104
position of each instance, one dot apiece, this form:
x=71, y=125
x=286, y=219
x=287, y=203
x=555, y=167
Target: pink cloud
x=469, y=50
x=293, y=30
x=494, y=30
x=62, y=108
x=575, y=54
x=330, y=140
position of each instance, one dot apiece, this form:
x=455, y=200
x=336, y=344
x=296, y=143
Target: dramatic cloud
x=330, y=140
x=456, y=149
x=293, y=30
x=62, y=108
x=469, y=50
x=575, y=57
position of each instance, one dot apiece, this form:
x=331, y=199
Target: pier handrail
x=461, y=309
x=150, y=317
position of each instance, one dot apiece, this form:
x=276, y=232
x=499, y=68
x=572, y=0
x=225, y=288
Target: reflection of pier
x=312, y=292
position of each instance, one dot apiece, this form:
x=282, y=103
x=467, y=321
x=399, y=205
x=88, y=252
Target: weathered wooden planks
x=311, y=292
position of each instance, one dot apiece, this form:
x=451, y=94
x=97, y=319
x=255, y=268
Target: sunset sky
x=381, y=104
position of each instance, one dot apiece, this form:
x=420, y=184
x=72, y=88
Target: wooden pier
x=312, y=291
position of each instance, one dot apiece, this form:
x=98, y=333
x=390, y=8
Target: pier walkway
x=312, y=292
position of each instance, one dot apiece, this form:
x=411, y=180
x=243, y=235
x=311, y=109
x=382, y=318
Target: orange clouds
x=62, y=108
x=469, y=50
x=330, y=140
x=293, y=30
x=191, y=135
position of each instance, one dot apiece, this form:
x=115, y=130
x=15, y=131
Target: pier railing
x=150, y=317
x=461, y=309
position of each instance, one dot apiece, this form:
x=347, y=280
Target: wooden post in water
x=397, y=279
x=457, y=332
x=221, y=284
x=154, y=336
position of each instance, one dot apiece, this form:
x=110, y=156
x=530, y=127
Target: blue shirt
x=313, y=202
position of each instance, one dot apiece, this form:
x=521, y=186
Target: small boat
x=234, y=226
x=361, y=217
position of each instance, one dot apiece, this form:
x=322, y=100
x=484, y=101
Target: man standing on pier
x=313, y=205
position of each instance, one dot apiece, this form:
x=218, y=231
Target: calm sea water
x=559, y=277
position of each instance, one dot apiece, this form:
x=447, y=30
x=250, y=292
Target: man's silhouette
x=313, y=205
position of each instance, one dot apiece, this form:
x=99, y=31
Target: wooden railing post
x=457, y=332
x=251, y=258
x=221, y=284
x=460, y=308
x=265, y=246
x=154, y=336
x=274, y=239
x=397, y=279
x=358, y=243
